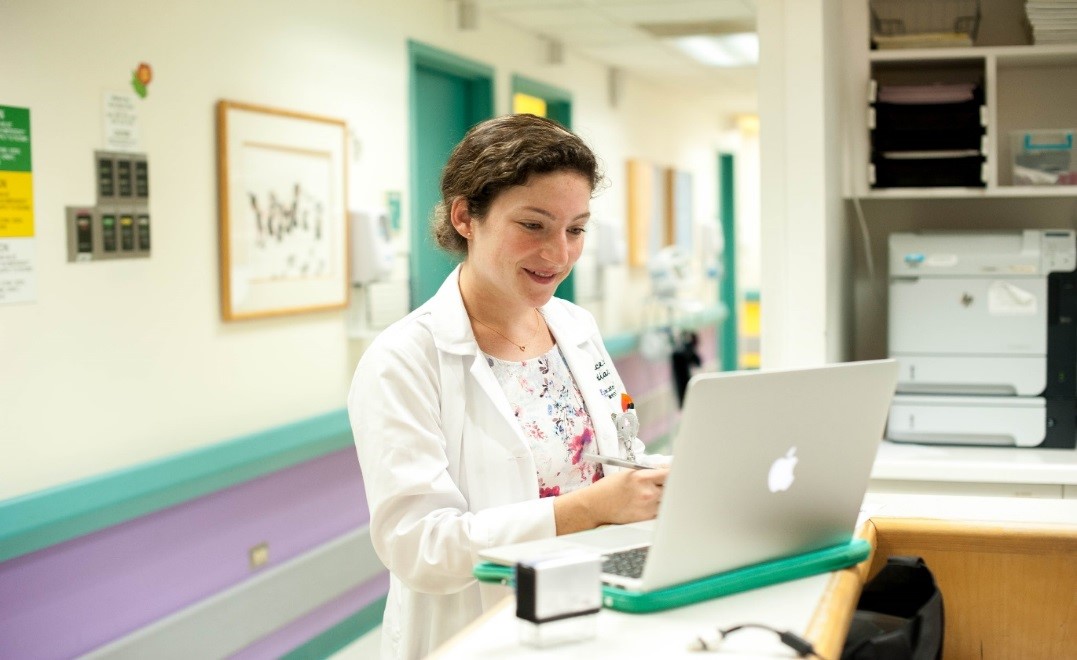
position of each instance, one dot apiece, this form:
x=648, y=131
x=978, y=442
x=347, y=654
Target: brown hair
x=500, y=153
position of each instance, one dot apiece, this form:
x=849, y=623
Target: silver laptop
x=767, y=464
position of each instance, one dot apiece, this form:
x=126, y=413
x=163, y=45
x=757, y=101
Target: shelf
x=1052, y=55
x=1017, y=55
x=969, y=193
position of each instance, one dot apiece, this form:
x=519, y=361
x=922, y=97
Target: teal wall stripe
x=340, y=635
x=623, y=344
x=38, y=520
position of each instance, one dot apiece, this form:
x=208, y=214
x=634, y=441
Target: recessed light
x=721, y=50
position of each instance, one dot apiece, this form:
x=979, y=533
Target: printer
x=984, y=328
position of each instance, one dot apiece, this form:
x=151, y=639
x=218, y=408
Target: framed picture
x=640, y=176
x=283, y=211
x=679, y=208
x=647, y=223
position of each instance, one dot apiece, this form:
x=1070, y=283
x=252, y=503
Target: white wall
x=121, y=362
x=805, y=260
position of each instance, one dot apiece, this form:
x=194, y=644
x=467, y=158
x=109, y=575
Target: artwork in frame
x=679, y=208
x=282, y=180
x=647, y=222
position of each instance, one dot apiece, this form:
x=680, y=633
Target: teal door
x=448, y=96
x=728, y=352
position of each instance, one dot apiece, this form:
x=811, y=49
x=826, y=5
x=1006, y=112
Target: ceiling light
x=721, y=50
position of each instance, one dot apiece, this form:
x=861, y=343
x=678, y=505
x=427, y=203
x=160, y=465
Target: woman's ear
x=460, y=217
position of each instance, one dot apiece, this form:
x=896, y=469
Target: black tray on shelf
x=945, y=116
x=935, y=172
x=927, y=139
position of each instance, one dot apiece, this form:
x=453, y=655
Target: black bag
x=899, y=615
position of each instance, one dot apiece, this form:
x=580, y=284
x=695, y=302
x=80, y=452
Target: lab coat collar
x=453, y=334
x=572, y=329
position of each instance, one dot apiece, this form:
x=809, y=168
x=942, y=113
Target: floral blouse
x=549, y=408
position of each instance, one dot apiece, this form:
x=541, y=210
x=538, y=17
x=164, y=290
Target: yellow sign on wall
x=527, y=104
x=16, y=205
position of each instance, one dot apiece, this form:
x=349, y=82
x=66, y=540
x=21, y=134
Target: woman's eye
x=578, y=231
x=530, y=225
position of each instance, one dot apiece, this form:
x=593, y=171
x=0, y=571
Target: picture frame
x=282, y=184
x=648, y=224
x=679, y=208
x=641, y=206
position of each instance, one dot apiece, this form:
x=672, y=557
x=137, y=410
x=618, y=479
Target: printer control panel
x=1059, y=251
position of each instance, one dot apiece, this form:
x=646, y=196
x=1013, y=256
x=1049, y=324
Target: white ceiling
x=624, y=35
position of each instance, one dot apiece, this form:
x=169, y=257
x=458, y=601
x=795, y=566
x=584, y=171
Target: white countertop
x=787, y=606
x=970, y=508
x=975, y=464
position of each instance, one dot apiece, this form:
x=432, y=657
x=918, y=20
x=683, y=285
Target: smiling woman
x=473, y=415
x=518, y=254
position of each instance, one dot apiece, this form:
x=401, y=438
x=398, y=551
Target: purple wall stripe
x=317, y=621
x=75, y=596
x=642, y=376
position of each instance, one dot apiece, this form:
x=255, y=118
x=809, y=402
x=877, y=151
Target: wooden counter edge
x=829, y=623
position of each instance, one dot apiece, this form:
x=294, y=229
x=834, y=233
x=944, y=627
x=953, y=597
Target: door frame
x=480, y=77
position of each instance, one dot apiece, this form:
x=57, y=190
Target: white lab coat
x=446, y=466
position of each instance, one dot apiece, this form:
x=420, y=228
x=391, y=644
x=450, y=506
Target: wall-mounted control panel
x=118, y=227
x=95, y=233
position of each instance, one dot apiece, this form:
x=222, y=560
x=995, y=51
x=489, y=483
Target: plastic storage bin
x=924, y=23
x=1043, y=158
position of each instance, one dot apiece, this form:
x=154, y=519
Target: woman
x=471, y=414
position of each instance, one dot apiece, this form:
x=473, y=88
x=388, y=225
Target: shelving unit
x=1025, y=87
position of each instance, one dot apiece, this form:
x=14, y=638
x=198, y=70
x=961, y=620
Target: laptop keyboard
x=626, y=563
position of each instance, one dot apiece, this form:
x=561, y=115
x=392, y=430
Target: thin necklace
x=522, y=347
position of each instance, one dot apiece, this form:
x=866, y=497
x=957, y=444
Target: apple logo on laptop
x=781, y=471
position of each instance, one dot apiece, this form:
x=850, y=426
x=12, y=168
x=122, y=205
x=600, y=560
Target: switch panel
x=109, y=242
x=106, y=177
x=84, y=232
x=143, y=231
x=119, y=226
x=80, y=233
x=127, y=232
x=140, y=169
x=125, y=184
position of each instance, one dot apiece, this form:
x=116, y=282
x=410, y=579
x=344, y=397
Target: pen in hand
x=612, y=460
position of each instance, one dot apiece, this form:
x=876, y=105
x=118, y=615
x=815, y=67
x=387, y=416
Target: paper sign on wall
x=17, y=277
x=121, y=122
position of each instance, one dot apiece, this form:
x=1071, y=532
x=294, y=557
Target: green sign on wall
x=14, y=139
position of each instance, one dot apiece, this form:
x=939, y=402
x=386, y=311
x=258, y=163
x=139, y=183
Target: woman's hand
x=624, y=497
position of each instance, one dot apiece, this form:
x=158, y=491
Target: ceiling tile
x=552, y=17
x=681, y=11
